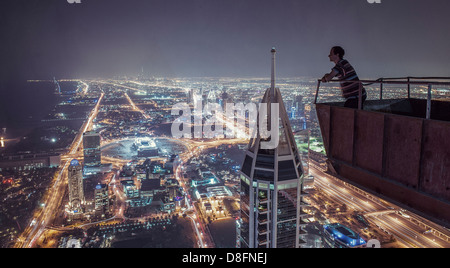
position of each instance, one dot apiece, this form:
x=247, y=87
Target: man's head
x=336, y=54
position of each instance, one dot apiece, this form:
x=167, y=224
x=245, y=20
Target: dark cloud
x=42, y=39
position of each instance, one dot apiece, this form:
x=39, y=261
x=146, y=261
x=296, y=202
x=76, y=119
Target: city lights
x=209, y=124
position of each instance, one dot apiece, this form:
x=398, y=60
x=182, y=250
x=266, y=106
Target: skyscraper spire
x=272, y=182
x=272, y=81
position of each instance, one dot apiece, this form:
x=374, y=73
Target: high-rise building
x=91, y=149
x=101, y=198
x=271, y=214
x=190, y=96
x=76, y=192
x=57, y=86
x=298, y=104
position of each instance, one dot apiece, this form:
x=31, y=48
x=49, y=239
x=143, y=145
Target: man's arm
x=328, y=77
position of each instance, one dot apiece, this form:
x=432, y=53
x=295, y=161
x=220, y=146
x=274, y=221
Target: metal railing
x=443, y=81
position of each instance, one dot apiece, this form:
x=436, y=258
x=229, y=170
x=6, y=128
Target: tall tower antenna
x=272, y=81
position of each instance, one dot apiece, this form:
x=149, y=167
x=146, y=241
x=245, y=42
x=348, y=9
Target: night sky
x=178, y=38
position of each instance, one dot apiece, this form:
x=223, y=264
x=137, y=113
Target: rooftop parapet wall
x=390, y=149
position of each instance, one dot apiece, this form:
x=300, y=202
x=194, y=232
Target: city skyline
x=221, y=38
x=145, y=123
x=197, y=178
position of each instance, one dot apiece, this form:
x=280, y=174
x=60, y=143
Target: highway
x=194, y=148
x=202, y=240
x=54, y=196
x=126, y=87
x=386, y=216
x=407, y=232
x=135, y=108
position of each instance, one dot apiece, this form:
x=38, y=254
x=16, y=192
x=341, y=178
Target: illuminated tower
x=57, y=86
x=271, y=214
x=76, y=192
x=101, y=198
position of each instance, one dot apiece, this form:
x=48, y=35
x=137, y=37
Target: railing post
x=429, y=102
x=409, y=88
x=317, y=91
x=381, y=89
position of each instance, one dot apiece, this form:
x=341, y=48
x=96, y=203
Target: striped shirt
x=347, y=74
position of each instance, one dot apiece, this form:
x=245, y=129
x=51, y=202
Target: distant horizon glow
x=201, y=38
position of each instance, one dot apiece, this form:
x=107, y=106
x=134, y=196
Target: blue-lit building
x=130, y=189
x=337, y=235
x=206, y=178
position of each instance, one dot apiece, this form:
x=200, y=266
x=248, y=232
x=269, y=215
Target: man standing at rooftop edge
x=349, y=79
